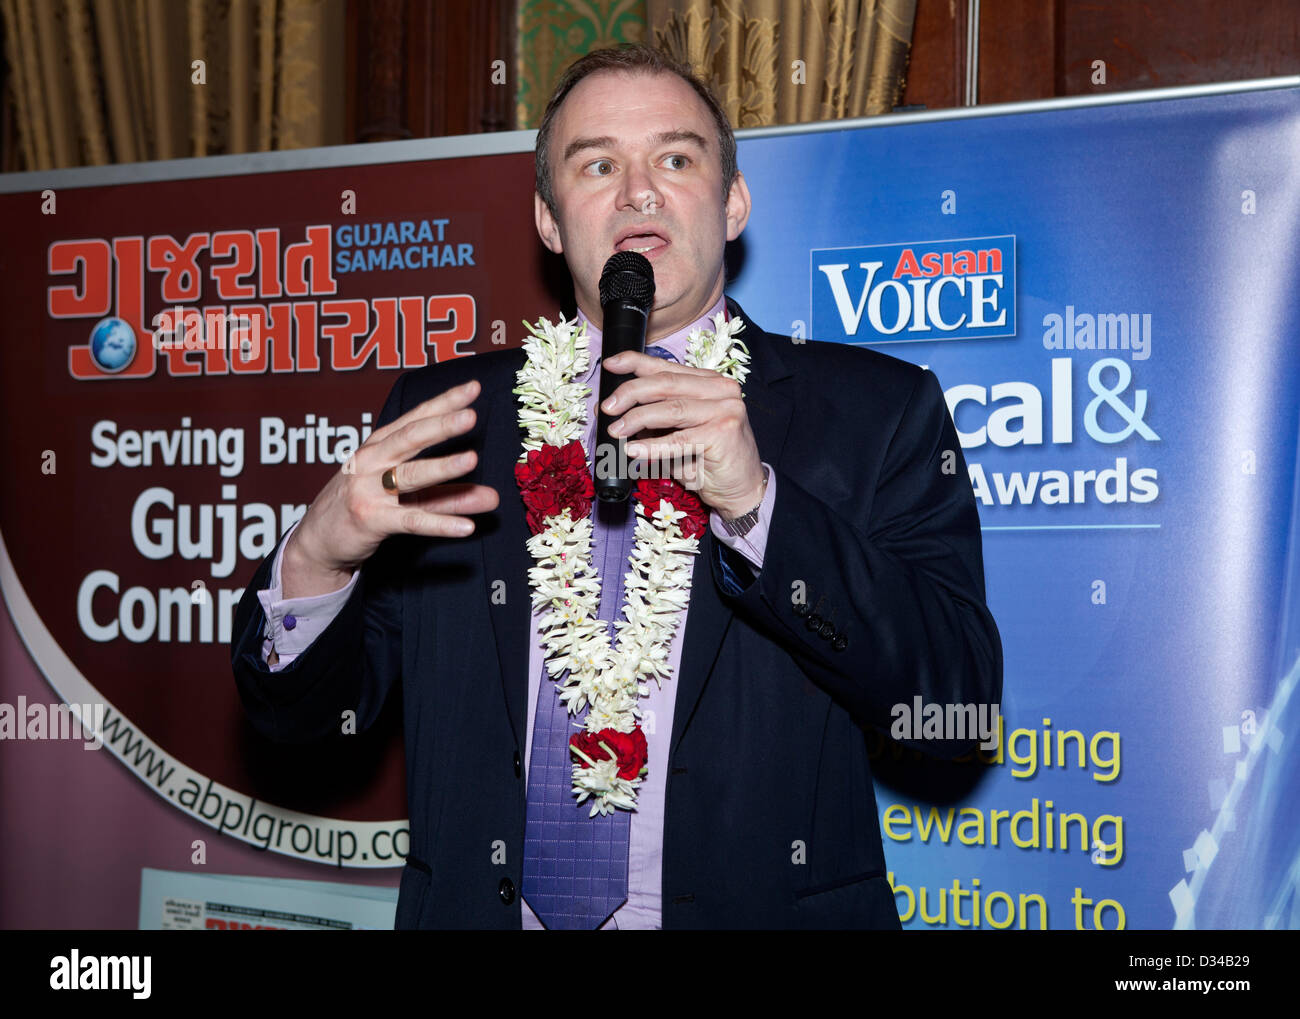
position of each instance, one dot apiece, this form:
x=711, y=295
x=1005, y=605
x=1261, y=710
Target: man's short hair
x=632, y=58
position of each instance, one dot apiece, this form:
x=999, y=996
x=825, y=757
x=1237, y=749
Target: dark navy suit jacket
x=871, y=593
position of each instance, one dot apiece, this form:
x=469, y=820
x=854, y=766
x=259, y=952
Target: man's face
x=636, y=167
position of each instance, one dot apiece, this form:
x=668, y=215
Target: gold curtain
x=116, y=81
x=791, y=61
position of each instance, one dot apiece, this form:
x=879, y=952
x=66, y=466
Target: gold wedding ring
x=389, y=480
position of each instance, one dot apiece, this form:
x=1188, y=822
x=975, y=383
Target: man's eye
x=601, y=168
x=678, y=162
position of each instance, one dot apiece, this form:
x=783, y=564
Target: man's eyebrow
x=679, y=135
x=579, y=144
x=662, y=138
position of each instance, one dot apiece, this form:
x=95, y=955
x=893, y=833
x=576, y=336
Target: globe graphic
x=112, y=344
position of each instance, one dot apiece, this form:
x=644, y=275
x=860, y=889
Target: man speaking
x=646, y=712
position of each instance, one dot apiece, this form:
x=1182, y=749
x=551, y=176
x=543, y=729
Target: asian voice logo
x=928, y=290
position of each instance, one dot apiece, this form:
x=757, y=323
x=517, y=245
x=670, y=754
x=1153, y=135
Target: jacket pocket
x=862, y=902
x=832, y=886
x=417, y=877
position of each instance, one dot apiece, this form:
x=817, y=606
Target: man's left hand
x=697, y=420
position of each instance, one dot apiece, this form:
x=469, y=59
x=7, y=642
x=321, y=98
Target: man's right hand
x=354, y=513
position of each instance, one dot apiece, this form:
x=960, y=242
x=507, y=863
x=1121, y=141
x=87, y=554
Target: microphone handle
x=623, y=328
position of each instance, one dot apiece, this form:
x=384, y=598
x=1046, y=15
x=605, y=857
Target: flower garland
x=554, y=477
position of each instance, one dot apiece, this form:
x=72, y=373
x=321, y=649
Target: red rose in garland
x=651, y=490
x=589, y=744
x=629, y=748
x=552, y=478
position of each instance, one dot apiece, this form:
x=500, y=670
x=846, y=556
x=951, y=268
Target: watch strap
x=739, y=526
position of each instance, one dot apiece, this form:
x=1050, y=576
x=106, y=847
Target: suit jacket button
x=827, y=630
x=506, y=889
x=801, y=608
x=519, y=765
x=813, y=622
x=840, y=642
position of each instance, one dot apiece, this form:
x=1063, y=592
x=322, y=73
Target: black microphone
x=627, y=290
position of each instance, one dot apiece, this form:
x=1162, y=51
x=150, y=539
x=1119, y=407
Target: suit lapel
x=505, y=534
x=709, y=616
x=505, y=551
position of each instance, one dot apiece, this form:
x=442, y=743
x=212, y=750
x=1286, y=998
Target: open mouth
x=644, y=243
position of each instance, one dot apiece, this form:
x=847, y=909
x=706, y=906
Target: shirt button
x=813, y=622
x=840, y=642
x=290, y=622
x=506, y=889
x=827, y=630
x=519, y=765
x=801, y=608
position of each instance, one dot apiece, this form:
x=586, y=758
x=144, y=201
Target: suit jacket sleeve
x=901, y=583
x=351, y=666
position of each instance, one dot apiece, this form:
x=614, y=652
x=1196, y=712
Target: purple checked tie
x=575, y=865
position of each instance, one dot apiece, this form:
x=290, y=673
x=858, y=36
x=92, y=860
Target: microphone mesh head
x=628, y=276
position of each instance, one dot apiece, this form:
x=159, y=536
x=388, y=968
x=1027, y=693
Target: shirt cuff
x=292, y=624
x=753, y=544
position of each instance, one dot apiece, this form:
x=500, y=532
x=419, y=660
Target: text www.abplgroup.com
x=267, y=827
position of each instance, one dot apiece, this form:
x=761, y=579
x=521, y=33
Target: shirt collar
x=674, y=344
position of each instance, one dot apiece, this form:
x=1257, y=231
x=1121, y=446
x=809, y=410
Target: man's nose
x=639, y=192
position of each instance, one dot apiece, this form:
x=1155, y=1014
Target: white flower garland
x=609, y=679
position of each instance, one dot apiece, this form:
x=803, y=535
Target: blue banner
x=1109, y=297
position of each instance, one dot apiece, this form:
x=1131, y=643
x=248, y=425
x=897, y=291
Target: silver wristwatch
x=744, y=523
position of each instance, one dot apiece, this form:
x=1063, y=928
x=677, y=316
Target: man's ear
x=738, y=205
x=547, y=229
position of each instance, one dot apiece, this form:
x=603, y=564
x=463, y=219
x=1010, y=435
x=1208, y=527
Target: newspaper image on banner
x=171, y=901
